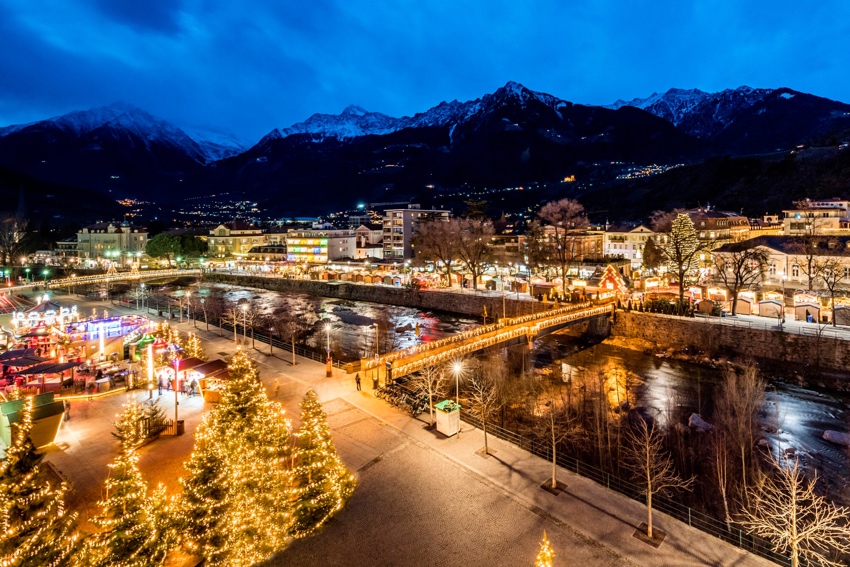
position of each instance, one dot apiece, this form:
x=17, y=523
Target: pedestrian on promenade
x=357, y=380
x=67, y=406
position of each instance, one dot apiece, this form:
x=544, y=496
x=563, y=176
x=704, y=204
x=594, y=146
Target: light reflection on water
x=671, y=390
x=352, y=322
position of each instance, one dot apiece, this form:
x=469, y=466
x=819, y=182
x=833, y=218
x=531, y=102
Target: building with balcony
x=320, y=246
x=111, y=241
x=816, y=217
x=234, y=239
x=400, y=226
x=626, y=242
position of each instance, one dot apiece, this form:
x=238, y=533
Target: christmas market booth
x=46, y=419
x=212, y=377
x=182, y=369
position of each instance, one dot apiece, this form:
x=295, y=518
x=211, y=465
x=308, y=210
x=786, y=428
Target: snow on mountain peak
x=354, y=110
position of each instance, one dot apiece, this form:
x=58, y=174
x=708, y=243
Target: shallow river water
x=671, y=390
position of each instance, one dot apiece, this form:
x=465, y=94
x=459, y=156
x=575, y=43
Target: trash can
x=181, y=427
x=448, y=417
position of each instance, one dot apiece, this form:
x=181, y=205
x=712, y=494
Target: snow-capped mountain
x=354, y=121
x=122, y=119
x=217, y=144
x=697, y=112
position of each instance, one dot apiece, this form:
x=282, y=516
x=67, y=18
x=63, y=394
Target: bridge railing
x=82, y=280
x=460, y=338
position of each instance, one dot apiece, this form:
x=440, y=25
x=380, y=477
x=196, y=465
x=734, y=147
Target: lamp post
x=142, y=285
x=27, y=272
x=328, y=361
x=457, y=368
x=150, y=371
x=244, y=323
x=206, y=322
x=189, y=308
x=45, y=273
x=782, y=318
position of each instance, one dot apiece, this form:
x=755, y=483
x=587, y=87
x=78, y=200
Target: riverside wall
x=787, y=353
x=468, y=304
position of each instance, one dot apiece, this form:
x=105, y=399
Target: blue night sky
x=247, y=67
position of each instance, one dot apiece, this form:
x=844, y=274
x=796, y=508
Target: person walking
x=67, y=406
x=357, y=380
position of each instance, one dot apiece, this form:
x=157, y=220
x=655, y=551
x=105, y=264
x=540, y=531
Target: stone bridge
x=407, y=361
x=67, y=283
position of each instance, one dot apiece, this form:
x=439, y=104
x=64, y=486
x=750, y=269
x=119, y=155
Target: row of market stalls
x=207, y=378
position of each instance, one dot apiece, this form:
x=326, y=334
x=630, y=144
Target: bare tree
x=662, y=221
x=437, y=241
x=474, y=245
x=484, y=399
x=652, y=465
x=738, y=403
x=293, y=326
x=555, y=425
x=431, y=381
x=213, y=307
x=568, y=219
x=737, y=270
x=720, y=469
x=13, y=232
x=787, y=512
x=231, y=316
x=831, y=274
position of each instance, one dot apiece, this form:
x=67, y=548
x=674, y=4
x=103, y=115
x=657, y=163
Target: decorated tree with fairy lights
x=236, y=499
x=194, y=348
x=321, y=482
x=35, y=528
x=545, y=555
x=136, y=530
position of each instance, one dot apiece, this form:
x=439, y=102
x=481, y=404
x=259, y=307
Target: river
x=671, y=390
x=352, y=331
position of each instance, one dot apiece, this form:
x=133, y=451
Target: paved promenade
x=423, y=499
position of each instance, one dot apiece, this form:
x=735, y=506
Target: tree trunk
x=649, y=514
x=734, y=303
x=484, y=426
x=293, y=350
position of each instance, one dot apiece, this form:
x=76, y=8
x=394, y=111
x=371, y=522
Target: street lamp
x=377, y=342
x=189, y=306
x=206, y=322
x=45, y=273
x=27, y=271
x=244, y=323
x=328, y=361
x=457, y=368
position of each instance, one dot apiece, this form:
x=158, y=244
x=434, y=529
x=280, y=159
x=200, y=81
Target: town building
x=370, y=241
x=400, y=226
x=111, y=241
x=626, y=242
x=816, y=217
x=320, y=246
x=234, y=239
x=719, y=227
x=788, y=259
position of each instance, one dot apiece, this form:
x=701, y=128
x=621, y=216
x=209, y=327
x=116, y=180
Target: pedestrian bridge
x=67, y=283
x=407, y=361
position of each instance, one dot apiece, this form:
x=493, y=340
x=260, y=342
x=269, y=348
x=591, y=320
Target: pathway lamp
x=7, y=273
x=457, y=369
x=244, y=323
x=27, y=272
x=328, y=361
x=45, y=273
x=206, y=322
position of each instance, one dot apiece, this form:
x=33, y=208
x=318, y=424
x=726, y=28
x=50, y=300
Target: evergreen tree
x=545, y=555
x=237, y=496
x=35, y=529
x=194, y=348
x=681, y=252
x=135, y=528
x=322, y=483
x=128, y=426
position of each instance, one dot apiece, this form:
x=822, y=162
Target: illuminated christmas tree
x=136, y=530
x=194, y=348
x=237, y=495
x=322, y=483
x=545, y=555
x=35, y=529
